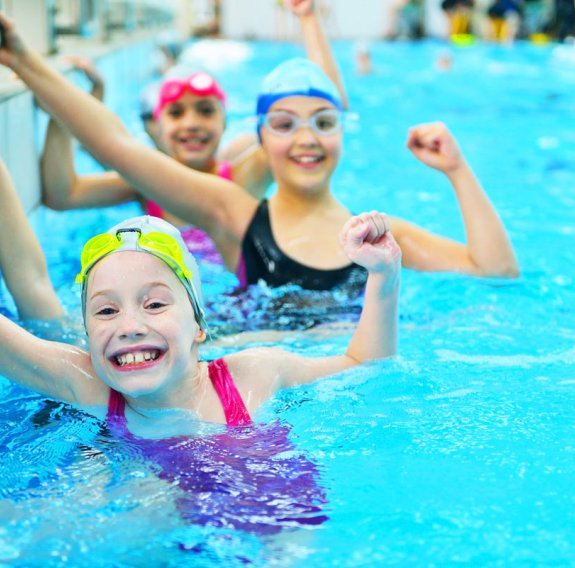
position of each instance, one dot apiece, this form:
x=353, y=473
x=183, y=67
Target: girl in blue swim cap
x=292, y=238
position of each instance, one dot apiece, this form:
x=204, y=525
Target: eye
x=327, y=122
x=106, y=311
x=206, y=109
x=175, y=111
x=155, y=305
x=281, y=122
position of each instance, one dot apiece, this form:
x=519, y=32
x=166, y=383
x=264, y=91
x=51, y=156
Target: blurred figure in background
x=402, y=19
x=363, y=64
x=564, y=21
x=458, y=14
x=503, y=20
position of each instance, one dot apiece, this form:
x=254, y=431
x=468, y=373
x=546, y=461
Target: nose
x=189, y=120
x=305, y=134
x=132, y=324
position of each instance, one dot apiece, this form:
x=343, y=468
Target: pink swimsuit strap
x=116, y=416
x=234, y=407
x=225, y=170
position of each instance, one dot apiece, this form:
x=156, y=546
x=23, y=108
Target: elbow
x=512, y=272
x=508, y=271
x=54, y=204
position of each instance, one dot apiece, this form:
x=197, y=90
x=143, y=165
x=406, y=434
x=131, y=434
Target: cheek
x=97, y=338
x=276, y=148
x=216, y=127
x=332, y=146
x=165, y=130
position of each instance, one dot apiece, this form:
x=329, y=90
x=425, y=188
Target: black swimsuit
x=262, y=259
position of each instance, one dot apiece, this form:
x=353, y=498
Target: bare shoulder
x=242, y=145
x=257, y=364
x=258, y=373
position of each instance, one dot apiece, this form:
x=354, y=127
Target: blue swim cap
x=296, y=77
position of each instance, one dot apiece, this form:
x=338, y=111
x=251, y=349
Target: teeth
x=137, y=358
x=308, y=159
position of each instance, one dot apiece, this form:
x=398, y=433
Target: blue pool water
x=459, y=452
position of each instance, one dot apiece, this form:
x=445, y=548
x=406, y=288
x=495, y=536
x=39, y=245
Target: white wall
x=343, y=19
x=18, y=146
x=34, y=22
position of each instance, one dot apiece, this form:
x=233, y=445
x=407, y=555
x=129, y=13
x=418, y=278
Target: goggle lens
x=101, y=245
x=283, y=123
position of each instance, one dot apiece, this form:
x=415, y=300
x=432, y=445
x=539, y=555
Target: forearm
x=376, y=334
x=22, y=261
x=488, y=244
x=319, y=51
x=63, y=189
x=57, y=168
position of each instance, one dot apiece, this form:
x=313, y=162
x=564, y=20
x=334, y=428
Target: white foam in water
x=216, y=54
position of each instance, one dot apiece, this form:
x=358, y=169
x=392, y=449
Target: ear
x=200, y=336
x=152, y=130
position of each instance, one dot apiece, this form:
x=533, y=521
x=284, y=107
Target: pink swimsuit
x=234, y=408
x=250, y=478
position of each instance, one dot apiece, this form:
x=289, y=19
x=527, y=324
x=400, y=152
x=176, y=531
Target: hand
x=300, y=8
x=13, y=47
x=367, y=241
x=435, y=146
x=90, y=71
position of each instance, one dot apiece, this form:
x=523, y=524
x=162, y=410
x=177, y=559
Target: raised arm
x=58, y=370
x=249, y=162
x=62, y=188
x=22, y=261
x=316, y=42
x=204, y=200
x=488, y=251
x=367, y=241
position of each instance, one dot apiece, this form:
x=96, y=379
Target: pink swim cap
x=200, y=83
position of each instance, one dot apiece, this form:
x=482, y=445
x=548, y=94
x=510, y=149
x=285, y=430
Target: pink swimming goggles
x=199, y=83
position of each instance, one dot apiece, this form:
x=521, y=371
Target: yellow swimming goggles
x=159, y=244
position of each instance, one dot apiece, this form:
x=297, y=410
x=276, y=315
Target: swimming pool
x=458, y=452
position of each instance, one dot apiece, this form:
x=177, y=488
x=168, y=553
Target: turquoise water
x=459, y=452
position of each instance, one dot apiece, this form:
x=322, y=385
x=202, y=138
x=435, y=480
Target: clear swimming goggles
x=284, y=123
x=160, y=244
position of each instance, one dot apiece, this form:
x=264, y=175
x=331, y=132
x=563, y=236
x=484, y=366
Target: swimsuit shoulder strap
x=225, y=170
x=116, y=416
x=234, y=408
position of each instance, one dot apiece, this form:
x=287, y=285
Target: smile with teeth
x=194, y=139
x=136, y=358
x=307, y=159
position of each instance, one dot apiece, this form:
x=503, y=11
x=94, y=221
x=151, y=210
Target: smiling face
x=303, y=160
x=190, y=129
x=141, y=327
